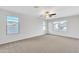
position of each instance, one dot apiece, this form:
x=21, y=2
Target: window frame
x=59, y=24
x=17, y=21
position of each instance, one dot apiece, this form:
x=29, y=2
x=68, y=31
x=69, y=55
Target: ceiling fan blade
x=52, y=14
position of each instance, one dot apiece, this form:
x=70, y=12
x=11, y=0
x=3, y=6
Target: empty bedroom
x=39, y=29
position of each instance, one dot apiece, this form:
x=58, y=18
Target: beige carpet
x=42, y=44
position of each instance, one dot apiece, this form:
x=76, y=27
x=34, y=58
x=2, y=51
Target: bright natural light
x=60, y=26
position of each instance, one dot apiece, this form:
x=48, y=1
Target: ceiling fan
x=48, y=14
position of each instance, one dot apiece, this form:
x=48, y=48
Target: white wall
x=73, y=27
x=29, y=27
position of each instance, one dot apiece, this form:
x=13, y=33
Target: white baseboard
x=68, y=36
x=21, y=38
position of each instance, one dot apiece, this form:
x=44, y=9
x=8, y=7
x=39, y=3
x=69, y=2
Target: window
x=60, y=26
x=44, y=25
x=56, y=26
x=12, y=24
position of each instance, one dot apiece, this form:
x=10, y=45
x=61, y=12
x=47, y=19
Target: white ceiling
x=61, y=11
